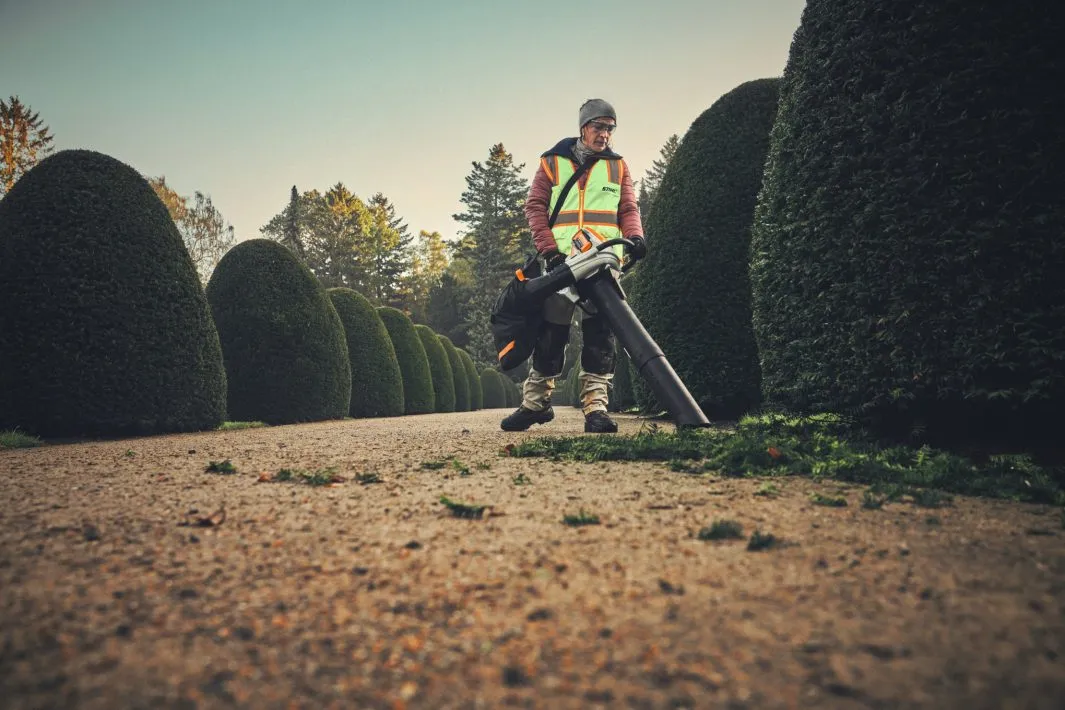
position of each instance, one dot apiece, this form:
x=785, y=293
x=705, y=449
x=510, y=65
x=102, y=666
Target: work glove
x=639, y=247
x=553, y=258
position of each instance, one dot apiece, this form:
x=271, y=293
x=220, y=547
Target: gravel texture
x=132, y=578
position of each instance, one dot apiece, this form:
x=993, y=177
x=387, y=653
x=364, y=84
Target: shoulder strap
x=584, y=167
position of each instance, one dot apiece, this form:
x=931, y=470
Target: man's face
x=596, y=133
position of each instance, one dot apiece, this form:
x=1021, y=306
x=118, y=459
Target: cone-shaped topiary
x=104, y=328
x=376, y=382
x=458, y=372
x=694, y=289
x=418, y=397
x=907, y=250
x=283, y=343
x=492, y=383
x=439, y=369
x=474, y=380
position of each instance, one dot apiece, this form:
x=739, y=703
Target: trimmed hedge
x=439, y=369
x=492, y=383
x=622, y=397
x=284, y=347
x=418, y=396
x=694, y=289
x=104, y=328
x=376, y=382
x=474, y=380
x=907, y=247
x=458, y=372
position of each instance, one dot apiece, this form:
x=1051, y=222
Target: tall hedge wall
x=458, y=372
x=907, y=248
x=439, y=369
x=492, y=383
x=376, y=382
x=283, y=344
x=104, y=328
x=694, y=287
x=418, y=397
x=474, y=380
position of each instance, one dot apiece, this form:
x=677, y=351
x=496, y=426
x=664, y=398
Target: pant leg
x=548, y=355
x=597, y=364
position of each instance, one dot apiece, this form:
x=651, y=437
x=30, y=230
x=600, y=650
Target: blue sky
x=242, y=99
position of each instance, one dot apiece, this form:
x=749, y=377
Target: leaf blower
x=590, y=275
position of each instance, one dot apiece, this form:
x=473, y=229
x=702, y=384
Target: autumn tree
x=492, y=241
x=24, y=141
x=205, y=232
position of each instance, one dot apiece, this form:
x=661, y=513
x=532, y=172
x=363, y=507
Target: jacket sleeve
x=536, y=211
x=628, y=210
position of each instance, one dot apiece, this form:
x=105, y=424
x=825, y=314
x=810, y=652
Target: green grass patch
x=768, y=490
x=722, y=530
x=522, y=480
x=581, y=518
x=366, y=479
x=234, y=426
x=821, y=447
x=225, y=466
x=318, y=477
x=464, y=510
x=828, y=501
x=762, y=541
x=15, y=439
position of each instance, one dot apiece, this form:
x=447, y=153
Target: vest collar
x=564, y=148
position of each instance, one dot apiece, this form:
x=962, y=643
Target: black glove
x=553, y=259
x=639, y=247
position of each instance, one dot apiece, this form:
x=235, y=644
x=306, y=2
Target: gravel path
x=132, y=578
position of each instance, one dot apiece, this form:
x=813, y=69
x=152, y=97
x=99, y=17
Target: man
x=600, y=205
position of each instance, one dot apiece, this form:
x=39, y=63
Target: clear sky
x=241, y=99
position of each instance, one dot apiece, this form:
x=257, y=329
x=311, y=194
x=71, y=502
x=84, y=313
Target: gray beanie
x=595, y=108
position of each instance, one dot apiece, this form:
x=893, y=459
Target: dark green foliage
x=573, y=387
x=513, y=392
x=376, y=382
x=907, y=253
x=722, y=530
x=821, y=447
x=694, y=292
x=439, y=369
x=458, y=373
x=418, y=394
x=622, y=397
x=474, y=380
x=283, y=343
x=641, y=391
x=492, y=384
x=560, y=397
x=104, y=328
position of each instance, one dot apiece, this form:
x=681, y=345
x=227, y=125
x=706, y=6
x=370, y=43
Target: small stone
x=514, y=677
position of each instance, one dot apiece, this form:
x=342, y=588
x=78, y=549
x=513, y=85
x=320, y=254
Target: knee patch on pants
x=597, y=355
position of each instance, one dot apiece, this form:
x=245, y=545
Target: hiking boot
x=599, y=422
x=522, y=418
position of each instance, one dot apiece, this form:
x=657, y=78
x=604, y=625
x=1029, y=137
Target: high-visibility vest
x=593, y=208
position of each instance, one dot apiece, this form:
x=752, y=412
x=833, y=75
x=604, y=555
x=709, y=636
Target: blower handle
x=626, y=243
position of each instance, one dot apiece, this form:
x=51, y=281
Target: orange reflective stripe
x=504, y=351
x=551, y=170
x=596, y=234
x=613, y=171
x=568, y=218
x=621, y=171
